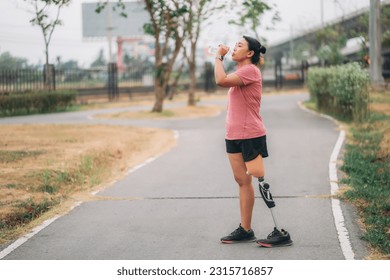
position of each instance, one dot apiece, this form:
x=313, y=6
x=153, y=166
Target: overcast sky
x=21, y=39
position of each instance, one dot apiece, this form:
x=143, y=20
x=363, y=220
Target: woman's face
x=240, y=51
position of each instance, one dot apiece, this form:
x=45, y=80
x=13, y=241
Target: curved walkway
x=177, y=206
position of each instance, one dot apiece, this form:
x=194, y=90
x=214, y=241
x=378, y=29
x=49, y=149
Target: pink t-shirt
x=243, y=120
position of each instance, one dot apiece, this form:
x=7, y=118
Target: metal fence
x=27, y=80
x=110, y=80
x=20, y=80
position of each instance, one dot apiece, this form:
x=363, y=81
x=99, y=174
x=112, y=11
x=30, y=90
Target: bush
x=340, y=90
x=35, y=102
x=318, y=82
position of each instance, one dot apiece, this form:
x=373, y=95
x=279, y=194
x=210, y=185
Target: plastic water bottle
x=213, y=50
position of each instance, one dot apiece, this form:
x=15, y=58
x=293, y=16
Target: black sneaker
x=276, y=239
x=240, y=235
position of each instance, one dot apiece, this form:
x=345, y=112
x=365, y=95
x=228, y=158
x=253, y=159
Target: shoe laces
x=274, y=233
x=238, y=231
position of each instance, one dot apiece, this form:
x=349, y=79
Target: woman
x=245, y=132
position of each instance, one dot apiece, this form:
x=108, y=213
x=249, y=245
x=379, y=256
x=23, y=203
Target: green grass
x=369, y=178
x=166, y=113
x=310, y=104
x=87, y=172
x=26, y=211
x=11, y=156
x=368, y=174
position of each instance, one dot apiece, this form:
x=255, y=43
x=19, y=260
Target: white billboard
x=97, y=25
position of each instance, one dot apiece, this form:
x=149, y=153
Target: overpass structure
x=283, y=56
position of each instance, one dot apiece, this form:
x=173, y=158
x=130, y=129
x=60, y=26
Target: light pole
x=375, y=43
x=109, y=29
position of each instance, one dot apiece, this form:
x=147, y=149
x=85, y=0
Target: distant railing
x=102, y=81
x=27, y=80
x=20, y=80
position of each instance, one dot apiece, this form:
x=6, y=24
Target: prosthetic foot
x=276, y=238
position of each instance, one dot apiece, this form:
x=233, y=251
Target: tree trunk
x=192, y=68
x=192, y=87
x=159, y=86
x=48, y=77
x=159, y=92
x=163, y=74
x=173, y=86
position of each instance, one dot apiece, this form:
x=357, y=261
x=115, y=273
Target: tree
x=251, y=12
x=385, y=18
x=9, y=62
x=362, y=31
x=42, y=10
x=303, y=51
x=330, y=41
x=198, y=12
x=100, y=60
x=69, y=65
x=167, y=28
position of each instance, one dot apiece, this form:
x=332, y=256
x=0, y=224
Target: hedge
x=35, y=102
x=340, y=90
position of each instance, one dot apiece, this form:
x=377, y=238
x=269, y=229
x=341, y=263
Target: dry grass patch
x=43, y=166
x=179, y=112
x=380, y=104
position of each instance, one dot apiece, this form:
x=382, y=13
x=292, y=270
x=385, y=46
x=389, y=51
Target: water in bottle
x=212, y=50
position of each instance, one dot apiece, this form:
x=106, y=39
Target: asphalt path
x=177, y=206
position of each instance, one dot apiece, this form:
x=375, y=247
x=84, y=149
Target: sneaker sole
x=239, y=241
x=281, y=244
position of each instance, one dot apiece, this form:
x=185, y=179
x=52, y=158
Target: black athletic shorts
x=250, y=148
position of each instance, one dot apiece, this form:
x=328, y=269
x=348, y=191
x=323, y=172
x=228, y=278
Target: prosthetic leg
x=277, y=237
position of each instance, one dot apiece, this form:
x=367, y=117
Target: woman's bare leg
x=246, y=191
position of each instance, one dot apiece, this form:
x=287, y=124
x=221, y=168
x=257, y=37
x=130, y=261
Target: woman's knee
x=243, y=180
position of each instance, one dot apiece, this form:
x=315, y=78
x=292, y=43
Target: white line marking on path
x=13, y=246
x=338, y=216
x=336, y=208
